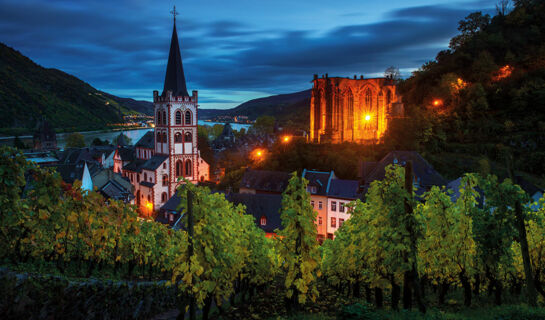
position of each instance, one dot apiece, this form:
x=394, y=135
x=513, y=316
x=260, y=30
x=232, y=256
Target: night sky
x=233, y=50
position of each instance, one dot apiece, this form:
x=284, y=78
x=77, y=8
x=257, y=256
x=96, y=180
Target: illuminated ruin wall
x=358, y=110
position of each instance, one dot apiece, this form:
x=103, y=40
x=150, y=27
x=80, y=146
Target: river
x=133, y=134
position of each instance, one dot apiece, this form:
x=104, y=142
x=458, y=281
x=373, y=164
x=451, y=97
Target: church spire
x=174, y=78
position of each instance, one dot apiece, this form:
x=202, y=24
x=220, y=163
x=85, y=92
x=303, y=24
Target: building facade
x=168, y=154
x=356, y=110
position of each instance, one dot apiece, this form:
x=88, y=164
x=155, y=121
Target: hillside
x=483, y=98
x=284, y=107
x=28, y=92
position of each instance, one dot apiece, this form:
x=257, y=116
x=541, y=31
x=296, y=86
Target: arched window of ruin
x=381, y=100
x=368, y=98
x=350, y=109
x=388, y=96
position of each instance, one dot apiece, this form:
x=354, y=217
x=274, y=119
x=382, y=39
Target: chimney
x=326, y=76
x=355, y=76
x=361, y=77
x=315, y=76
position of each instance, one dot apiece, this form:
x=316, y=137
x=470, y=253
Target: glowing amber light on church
x=367, y=117
x=437, y=102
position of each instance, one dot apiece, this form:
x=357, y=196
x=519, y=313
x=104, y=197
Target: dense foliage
x=484, y=92
x=469, y=241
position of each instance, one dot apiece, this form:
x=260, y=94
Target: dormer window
x=312, y=189
x=263, y=221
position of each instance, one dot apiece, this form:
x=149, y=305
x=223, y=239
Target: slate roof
x=120, y=140
x=259, y=205
x=75, y=155
x=154, y=162
x=127, y=153
x=267, y=181
x=135, y=165
x=147, y=141
x=147, y=184
x=320, y=180
x=114, y=190
x=70, y=172
x=424, y=172
x=171, y=203
x=345, y=189
x=175, y=78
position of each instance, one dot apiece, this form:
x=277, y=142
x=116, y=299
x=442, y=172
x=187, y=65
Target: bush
x=357, y=311
x=518, y=313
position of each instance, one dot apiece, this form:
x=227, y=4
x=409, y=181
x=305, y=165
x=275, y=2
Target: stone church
x=169, y=152
x=356, y=110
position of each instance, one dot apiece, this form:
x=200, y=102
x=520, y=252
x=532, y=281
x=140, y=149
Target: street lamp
x=286, y=139
x=367, y=117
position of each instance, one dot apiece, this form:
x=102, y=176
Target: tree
x=392, y=73
x=264, y=124
x=18, y=143
x=99, y=142
x=75, y=140
x=298, y=245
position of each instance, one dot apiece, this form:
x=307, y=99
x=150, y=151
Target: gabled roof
x=135, y=165
x=127, y=153
x=147, y=141
x=70, y=172
x=120, y=140
x=345, y=189
x=262, y=180
x=424, y=173
x=114, y=190
x=175, y=78
x=319, y=179
x=154, y=162
x=260, y=205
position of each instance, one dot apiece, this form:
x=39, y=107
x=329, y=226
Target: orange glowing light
x=259, y=153
x=437, y=102
x=503, y=73
x=367, y=117
x=286, y=139
x=149, y=205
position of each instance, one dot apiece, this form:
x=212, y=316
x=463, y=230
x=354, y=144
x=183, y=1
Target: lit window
x=165, y=180
x=320, y=205
x=171, y=218
x=263, y=221
x=333, y=206
x=341, y=206
x=333, y=222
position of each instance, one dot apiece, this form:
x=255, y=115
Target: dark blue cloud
x=123, y=49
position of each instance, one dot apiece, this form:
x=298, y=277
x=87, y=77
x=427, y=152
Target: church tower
x=176, y=122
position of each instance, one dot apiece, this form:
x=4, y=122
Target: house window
x=341, y=222
x=311, y=189
x=171, y=218
x=188, y=117
x=164, y=137
x=333, y=222
x=178, y=117
x=320, y=205
x=263, y=221
x=145, y=176
x=149, y=198
x=178, y=138
x=165, y=180
x=187, y=137
x=179, y=168
x=164, y=197
x=188, y=168
x=320, y=221
x=164, y=165
x=333, y=206
x=312, y=203
x=341, y=206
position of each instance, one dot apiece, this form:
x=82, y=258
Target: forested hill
x=29, y=91
x=484, y=97
x=284, y=107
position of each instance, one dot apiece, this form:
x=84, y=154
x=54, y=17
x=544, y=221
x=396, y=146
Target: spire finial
x=174, y=13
